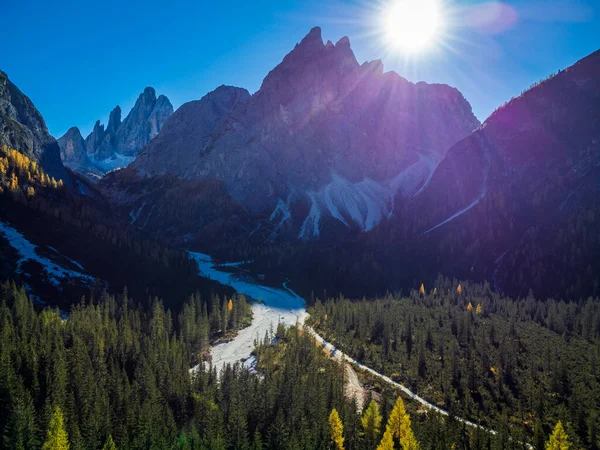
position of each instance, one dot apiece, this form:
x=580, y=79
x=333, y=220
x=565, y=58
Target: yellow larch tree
x=14, y=182
x=387, y=443
x=559, y=440
x=56, y=436
x=400, y=427
x=337, y=429
x=371, y=422
x=422, y=289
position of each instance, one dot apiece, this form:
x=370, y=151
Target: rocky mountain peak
x=114, y=120
x=323, y=138
x=119, y=143
x=149, y=93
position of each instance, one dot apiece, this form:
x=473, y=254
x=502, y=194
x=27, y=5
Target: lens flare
x=412, y=25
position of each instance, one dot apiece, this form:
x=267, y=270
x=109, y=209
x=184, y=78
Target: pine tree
x=371, y=422
x=337, y=429
x=56, y=437
x=558, y=439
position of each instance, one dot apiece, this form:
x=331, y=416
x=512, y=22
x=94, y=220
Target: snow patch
x=134, y=215
x=310, y=226
x=117, y=161
x=27, y=250
x=482, y=193
x=364, y=203
x=272, y=306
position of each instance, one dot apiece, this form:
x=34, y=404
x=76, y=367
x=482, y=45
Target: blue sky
x=78, y=59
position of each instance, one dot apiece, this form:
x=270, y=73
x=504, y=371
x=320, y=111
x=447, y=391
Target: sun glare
x=412, y=25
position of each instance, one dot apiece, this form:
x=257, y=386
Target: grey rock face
x=143, y=122
x=23, y=128
x=95, y=138
x=191, y=128
x=74, y=155
x=120, y=142
x=323, y=129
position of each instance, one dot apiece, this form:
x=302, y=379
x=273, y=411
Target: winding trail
x=342, y=357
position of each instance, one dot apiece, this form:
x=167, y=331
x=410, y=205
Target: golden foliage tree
x=400, y=427
x=337, y=429
x=56, y=436
x=459, y=289
x=479, y=309
x=559, y=440
x=229, y=305
x=387, y=443
x=422, y=289
x=14, y=182
x=371, y=421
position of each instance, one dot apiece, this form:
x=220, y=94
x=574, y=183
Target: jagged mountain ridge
x=23, y=128
x=516, y=203
x=324, y=137
x=119, y=143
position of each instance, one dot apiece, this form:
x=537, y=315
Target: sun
x=412, y=25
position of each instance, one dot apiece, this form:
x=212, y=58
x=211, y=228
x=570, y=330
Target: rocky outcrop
x=23, y=128
x=74, y=155
x=340, y=138
x=143, y=122
x=119, y=143
x=191, y=128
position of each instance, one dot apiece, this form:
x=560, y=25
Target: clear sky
x=77, y=59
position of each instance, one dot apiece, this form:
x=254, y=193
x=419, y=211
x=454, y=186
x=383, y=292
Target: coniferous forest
x=524, y=364
x=116, y=375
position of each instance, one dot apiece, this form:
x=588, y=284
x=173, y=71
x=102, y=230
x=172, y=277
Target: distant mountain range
x=117, y=145
x=325, y=138
x=348, y=178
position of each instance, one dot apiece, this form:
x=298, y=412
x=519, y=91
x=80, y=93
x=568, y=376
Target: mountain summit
x=323, y=138
x=118, y=144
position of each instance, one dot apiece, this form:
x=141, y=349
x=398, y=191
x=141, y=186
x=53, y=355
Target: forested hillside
x=526, y=363
x=74, y=227
x=114, y=375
